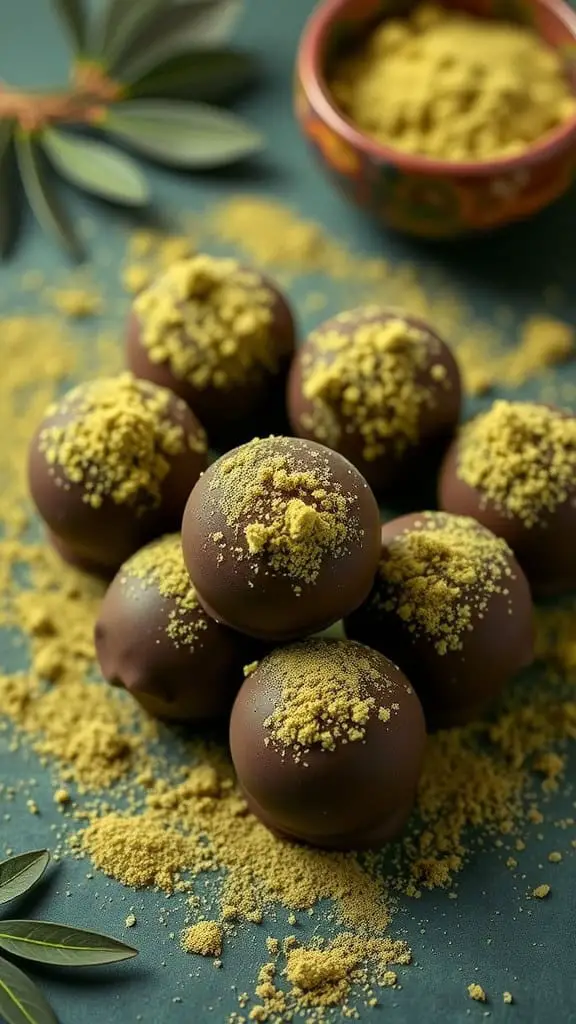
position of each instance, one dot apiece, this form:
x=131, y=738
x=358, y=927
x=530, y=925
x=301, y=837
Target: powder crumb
x=130, y=921
x=136, y=277
x=541, y=891
x=389, y=978
x=32, y=807
x=477, y=993
x=273, y=946
x=76, y=303
x=555, y=857
x=62, y=797
x=204, y=938
x=507, y=997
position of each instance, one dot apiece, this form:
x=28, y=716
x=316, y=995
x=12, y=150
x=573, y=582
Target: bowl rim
x=315, y=86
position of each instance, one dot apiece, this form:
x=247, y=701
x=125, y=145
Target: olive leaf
x=180, y=133
x=9, y=198
x=43, y=198
x=59, y=945
x=21, y=1001
x=125, y=26
x=19, y=874
x=175, y=31
x=208, y=75
x=96, y=167
x=73, y=15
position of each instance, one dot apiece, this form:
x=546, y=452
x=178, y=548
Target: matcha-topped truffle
x=154, y=639
x=111, y=467
x=514, y=469
x=452, y=607
x=381, y=388
x=221, y=337
x=327, y=738
x=281, y=538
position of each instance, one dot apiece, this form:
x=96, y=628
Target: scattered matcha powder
x=114, y=437
x=521, y=457
x=368, y=370
x=204, y=938
x=285, y=507
x=326, y=694
x=211, y=320
x=161, y=564
x=440, y=574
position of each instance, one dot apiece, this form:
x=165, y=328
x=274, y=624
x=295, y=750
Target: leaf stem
x=91, y=90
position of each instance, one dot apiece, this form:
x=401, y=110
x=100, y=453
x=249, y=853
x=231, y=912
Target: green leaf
x=73, y=15
x=21, y=1002
x=176, y=31
x=207, y=75
x=126, y=25
x=19, y=874
x=181, y=134
x=96, y=168
x=47, y=943
x=42, y=197
x=9, y=205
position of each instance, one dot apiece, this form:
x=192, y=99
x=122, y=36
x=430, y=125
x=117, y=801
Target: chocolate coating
x=237, y=409
x=427, y=406
x=545, y=550
x=175, y=661
x=457, y=685
x=99, y=539
x=359, y=794
x=246, y=588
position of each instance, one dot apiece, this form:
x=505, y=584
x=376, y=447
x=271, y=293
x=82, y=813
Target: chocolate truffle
x=221, y=337
x=382, y=389
x=514, y=469
x=154, y=639
x=327, y=739
x=111, y=467
x=452, y=607
x=281, y=538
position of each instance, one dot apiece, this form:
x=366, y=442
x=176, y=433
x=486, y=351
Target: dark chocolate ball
x=154, y=639
x=513, y=468
x=220, y=336
x=379, y=387
x=281, y=538
x=327, y=738
x=111, y=467
x=452, y=607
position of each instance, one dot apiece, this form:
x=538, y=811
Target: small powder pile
x=137, y=852
x=203, y=938
x=324, y=698
x=451, y=86
x=369, y=370
x=323, y=975
x=440, y=574
x=521, y=457
x=162, y=565
x=114, y=437
x=210, y=320
x=285, y=505
x=477, y=993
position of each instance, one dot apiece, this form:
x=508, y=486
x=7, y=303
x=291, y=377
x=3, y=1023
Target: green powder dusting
x=521, y=457
x=211, y=321
x=161, y=565
x=327, y=694
x=114, y=437
x=373, y=372
x=439, y=575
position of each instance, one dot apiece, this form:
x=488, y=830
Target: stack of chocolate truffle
x=224, y=577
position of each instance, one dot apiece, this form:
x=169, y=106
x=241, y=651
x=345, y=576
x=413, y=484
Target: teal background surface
x=491, y=933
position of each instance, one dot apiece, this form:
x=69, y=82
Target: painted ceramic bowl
x=416, y=194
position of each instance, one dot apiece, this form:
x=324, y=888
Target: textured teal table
x=491, y=933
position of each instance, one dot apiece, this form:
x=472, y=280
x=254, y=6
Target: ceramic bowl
x=415, y=194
